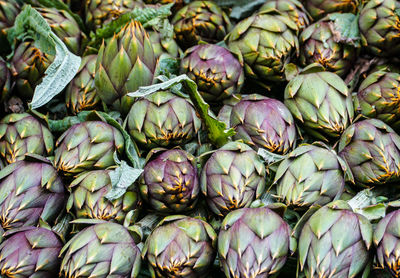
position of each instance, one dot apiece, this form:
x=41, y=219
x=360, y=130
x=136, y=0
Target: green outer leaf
x=347, y=26
x=217, y=131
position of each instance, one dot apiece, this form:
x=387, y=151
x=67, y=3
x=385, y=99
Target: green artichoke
x=100, y=12
x=372, y=150
x=386, y=239
x=253, y=242
x=379, y=24
x=320, y=8
x=169, y=181
x=124, y=63
x=8, y=12
x=217, y=73
x=5, y=80
x=162, y=119
x=233, y=177
x=103, y=250
x=294, y=9
x=264, y=44
x=22, y=134
x=263, y=122
x=87, y=146
x=310, y=175
x=335, y=242
x=30, y=252
x=28, y=66
x=379, y=97
x=29, y=192
x=320, y=43
x=163, y=45
x=81, y=93
x=200, y=21
x=66, y=28
x=88, y=197
x=320, y=101
x=180, y=246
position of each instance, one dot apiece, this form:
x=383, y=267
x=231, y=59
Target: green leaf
x=30, y=24
x=121, y=179
x=217, y=131
x=345, y=28
x=240, y=8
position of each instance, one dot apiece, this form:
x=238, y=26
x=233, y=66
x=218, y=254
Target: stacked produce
x=163, y=138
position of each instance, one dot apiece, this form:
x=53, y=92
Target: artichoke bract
x=88, y=198
x=200, y=21
x=163, y=45
x=28, y=66
x=320, y=43
x=5, y=80
x=320, y=8
x=264, y=43
x=124, y=63
x=217, y=73
x=102, y=250
x=169, y=181
x=8, y=12
x=30, y=252
x=65, y=27
x=310, y=175
x=233, y=177
x=386, y=239
x=372, y=150
x=263, y=122
x=379, y=27
x=100, y=12
x=379, y=97
x=253, y=242
x=22, y=134
x=320, y=101
x=335, y=242
x=87, y=146
x=81, y=93
x=180, y=246
x=162, y=119
x=29, y=192
x=292, y=8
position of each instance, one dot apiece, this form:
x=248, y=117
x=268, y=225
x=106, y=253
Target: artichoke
x=233, y=177
x=294, y=9
x=28, y=66
x=217, y=73
x=87, y=146
x=169, y=182
x=200, y=21
x=22, y=134
x=65, y=27
x=124, y=63
x=264, y=43
x=8, y=12
x=372, y=150
x=30, y=252
x=310, y=174
x=386, y=239
x=379, y=27
x=29, y=192
x=163, y=45
x=163, y=119
x=100, y=12
x=81, y=93
x=379, y=97
x=335, y=242
x=180, y=246
x=320, y=8
x=321, y=43
x=263, y=122
x=253, y=242
x=321, y=101
x=88, y=197
x=5, y=80
x=102, y=250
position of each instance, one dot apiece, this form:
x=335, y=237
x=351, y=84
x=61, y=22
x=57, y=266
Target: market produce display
x=200, y=139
